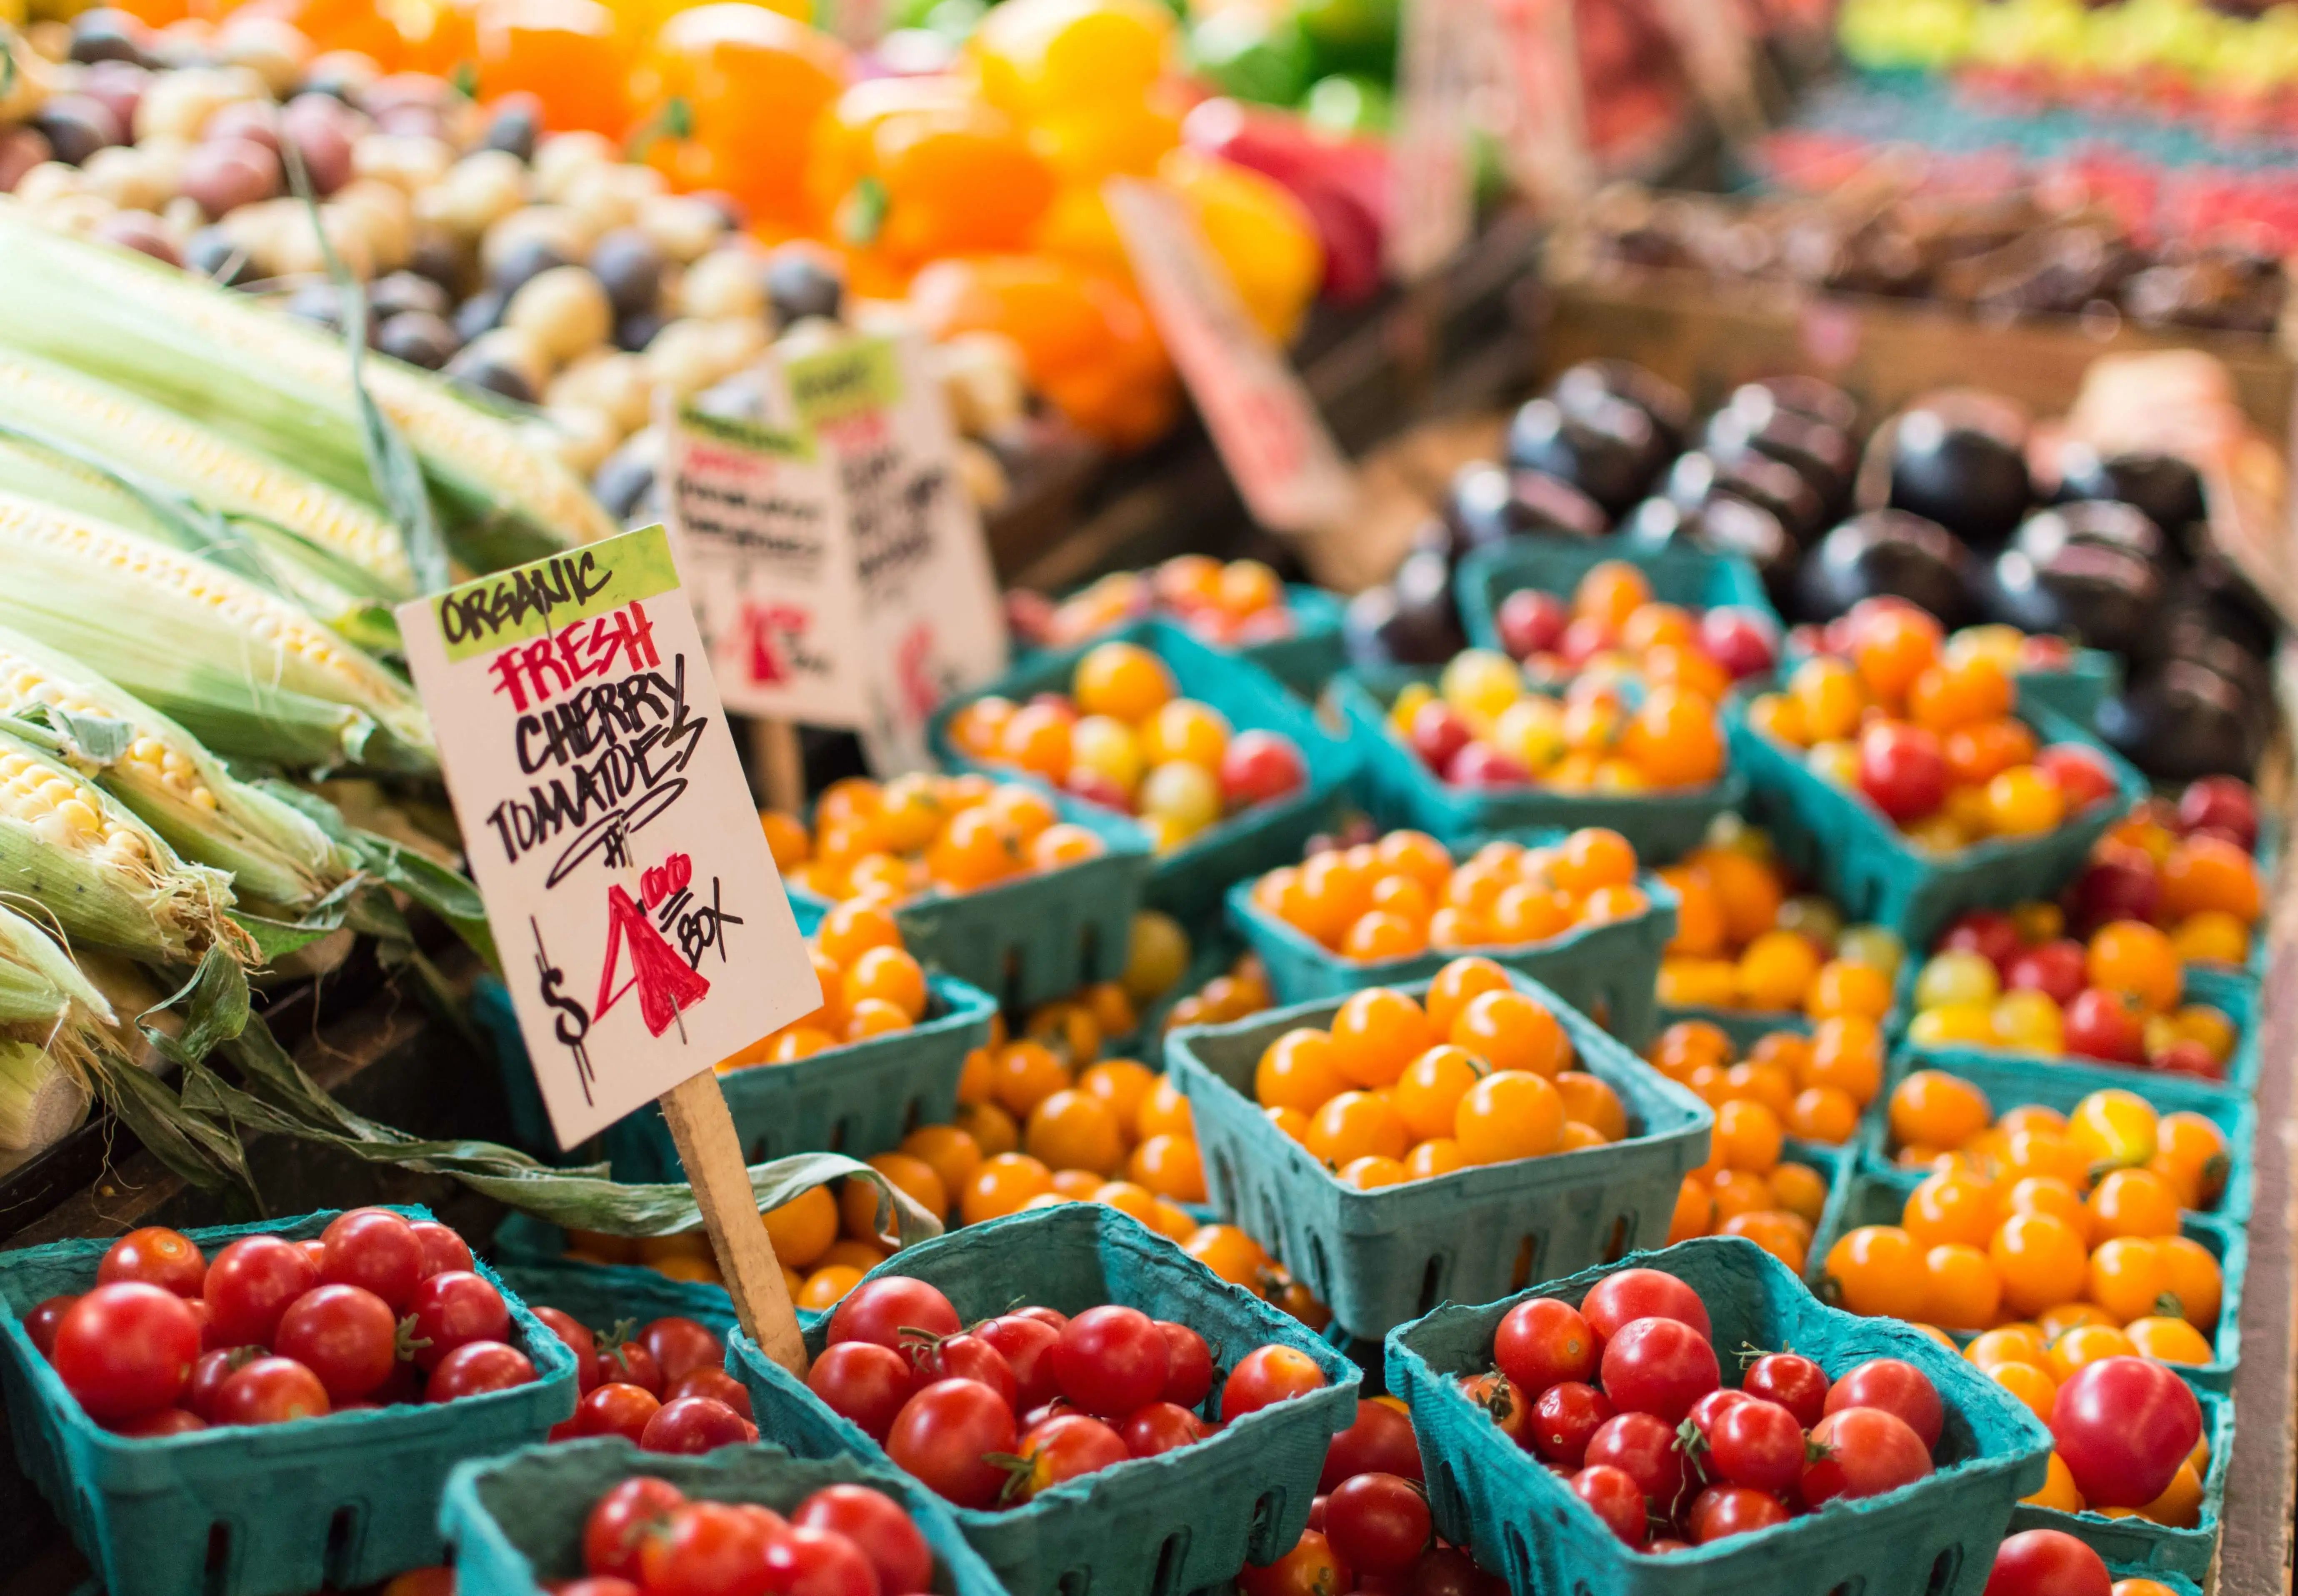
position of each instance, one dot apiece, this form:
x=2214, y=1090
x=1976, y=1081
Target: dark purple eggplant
x=2102, y=595
x=1962, y=465
x=2183, y=721
x=1757, y=422
x=1757, y=479
x=1661, y=400
x=1609, y=449
x=1409, y=619
x=1810, y=396
x=1887, y=551
x=1488, y=504
x=2165, y=487
x=2096, y=521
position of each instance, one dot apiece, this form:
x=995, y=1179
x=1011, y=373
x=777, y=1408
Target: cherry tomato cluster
x=871, y=986
x=1743, y=941
x=1124, y=739
x=1624, y=1396
x=1237, y=604
x=994, y=1415
x=2093, y=1276
x=1405, y=894
x=1240, y=991
x=663, y=1386
x=2108, y=1131
x=2017, y=1360
x=924, y=833
x=1615, y=626
x=2008, y=647
x=645, y=1537
x=1811, y=1086
x=1924, y=730
x=1393, y=1090
x=2186, y=868
x=378, y=1309
x=2005, y=981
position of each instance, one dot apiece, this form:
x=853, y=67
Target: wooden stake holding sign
x=644, y=931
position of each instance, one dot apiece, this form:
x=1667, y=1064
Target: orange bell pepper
x=733, y=92
x=1085, y=342
x=566, y=53
x=919, y=168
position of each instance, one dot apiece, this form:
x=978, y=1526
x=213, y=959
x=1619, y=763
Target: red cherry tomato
x=2124, y=1425
x=1712, y=1406
x=1189, y=1365
x=1861, y=1451
x=1379, y=1441
x=157, y=1256
x=1111, y=1360
x=1266, y=1375
x=343, y=1334
x=1258, y=767
x=874, y=1522
x=1502, y=1403
x=1044, y=1316
x=40, y=1324
x=944, y=1435
x=1989, y=932
x=622, y=1521
x=864, y=1383
x=633, y=1365
x=1378, y=1523
x=271, y=1390
x=1895, y=1386
x=2083, y=777
x=1659, y=1366
x=964, y=1357
x=374, y=1248
x=125, y=1349
x=1902, y=770
x=476, y=1368
x=579, y=1341
x=1615, y=1498
x=1792, y=1380
x=881, y=1310
x=707, y=1549
x=2047, y=1562
x=1641, y=1294
x=1310, y=1568
x=1026, y=1346
x=678, y=1344
x=1757, y=1445
x=596, y=1585
x=1646, y=1450
x=250, y=1284
x=807, y=1561
x=1721, y=1511
x=2053, y=968
x=1065, y=1446
x=693, y=1425
x=442, y=1249
x=158, y=1425
x=1543, y=1342
x=1565, y=1418
x=210, y=1371
x=2104, y=1025
x=1158, y=1428
x=615, y=1408
x=716, y=1385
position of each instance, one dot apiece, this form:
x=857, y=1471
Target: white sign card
x=644, y=931
x=1547, y=123
x=1277, y=447
x=932, y=623
x=1442, y=67
x=760, y=524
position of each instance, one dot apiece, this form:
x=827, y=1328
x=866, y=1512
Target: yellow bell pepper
x=1128, y=136
x=1038, y=57
x=1262, y=234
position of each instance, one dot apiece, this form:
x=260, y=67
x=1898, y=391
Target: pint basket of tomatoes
x=1906, y=1463
x=571, y=1516
x=2184, y=1540
x=1226, y=772
x=1689, y=579
x=258, y=1503
x=1483, y=1200
x=1174, y=1478
x=1573, y=909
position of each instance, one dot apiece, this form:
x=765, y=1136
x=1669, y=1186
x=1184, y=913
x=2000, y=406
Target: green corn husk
x=254, y=374
x=245, y=671
x=104, y=877
x=44, y=994
x=274, y=853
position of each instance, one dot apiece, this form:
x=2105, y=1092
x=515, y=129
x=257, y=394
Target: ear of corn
x=42, y=991
x=251, y=373
x=274, y=854
x=41, y=1100
x=108, y=879
x=244, y=671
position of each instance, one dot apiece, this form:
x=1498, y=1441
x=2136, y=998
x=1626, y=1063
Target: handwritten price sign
x=644, y=930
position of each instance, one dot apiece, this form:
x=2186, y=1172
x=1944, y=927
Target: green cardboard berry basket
x=1189, y=883
x=1936, y=1537
x=2010, y=1079
x=515, y=1522
x=1693, y=578
x=1181, y=1522
x=1302, y=661
x=602, y=1295
x=1859, y=858
x=1608, y=972
x=1035, y=937
x=2139, y=1546
x=1378, y=1258
x=2076, y=691
x=1874, y=1196
x=1402, y=791
x=271, y=1510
